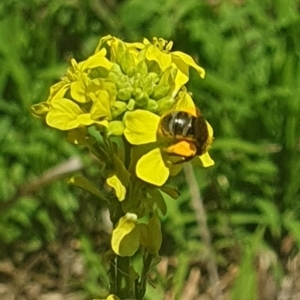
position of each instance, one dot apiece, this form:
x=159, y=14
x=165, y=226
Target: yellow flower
x=110, y=297
x=133, y=76
x=66, y=115
x=80, y=85
x=133, y=83
x=160, y=159
x=116, y=46
x=77, y=78
x=160, y=51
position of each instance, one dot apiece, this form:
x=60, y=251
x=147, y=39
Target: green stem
x=141, y=285
x=124, y=289
x=113, y=276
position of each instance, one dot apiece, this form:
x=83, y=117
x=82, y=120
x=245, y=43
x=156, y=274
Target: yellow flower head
x=160, y=51
x=118, y=77
x=135, y=89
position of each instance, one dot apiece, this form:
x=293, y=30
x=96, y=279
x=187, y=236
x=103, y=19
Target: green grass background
x=251, y=95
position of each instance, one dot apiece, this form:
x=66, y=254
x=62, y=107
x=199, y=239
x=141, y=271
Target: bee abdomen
x=181, y=125
x=178, y=124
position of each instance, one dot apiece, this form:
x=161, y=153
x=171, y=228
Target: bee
x=184, y=126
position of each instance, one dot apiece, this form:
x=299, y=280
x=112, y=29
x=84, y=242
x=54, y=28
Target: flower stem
x=124, y=289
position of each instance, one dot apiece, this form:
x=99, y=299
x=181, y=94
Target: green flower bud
x=153, y=77
x=124, y=94
x=98, y=73
x=116, y=69
x=128, y=64
x=141, y=98
x=124, y=79
x=138, y=76
x=120, y=52
x=118, y=108
x=40, y=109
x=131, y=104
x=103, y=84
x=142, y=68
x=137, y=81
x=116, y=79
x=165, y=84
x=160, y=91
x=165, y=104
x=149, y=87
x=152, y=105
x=128, y=85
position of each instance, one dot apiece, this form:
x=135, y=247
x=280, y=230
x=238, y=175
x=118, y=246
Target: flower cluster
x=125, y=90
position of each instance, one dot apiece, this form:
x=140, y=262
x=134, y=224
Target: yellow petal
x=184, y=101
x=101, y=123
x=78, y=91
x=134, y=46
x=210, y=130
x=58, y=90
x=85, y=119
x=141, y=127
x=111, y=297
x=101, y=106
x=183, y=61
x=117, y=49
x=164, y=60
x=96, y=60
x=151, y=168
x=115, y=128
x=114, y=182
x=103, y=41
x=146, y=41
x=206, y=160
x=180, y=80
x=126, y=236
x=40, y=109
x=63, y=114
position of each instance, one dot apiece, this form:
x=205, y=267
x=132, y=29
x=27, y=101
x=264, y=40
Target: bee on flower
x=136, y=90
x=179, y=135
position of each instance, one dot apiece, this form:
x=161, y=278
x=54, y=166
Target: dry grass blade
x=198, y=207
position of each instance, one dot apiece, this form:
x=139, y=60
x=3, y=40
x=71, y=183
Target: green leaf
x=292, y=224
x=151, y=237
x=245, y=286
x=87, y=185
x=245, y=218
x=159, y=200
x=271, y=215
x=155, y=229
x=171, y=191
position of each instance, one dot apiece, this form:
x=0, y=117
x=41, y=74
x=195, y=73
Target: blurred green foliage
x=251, y=96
